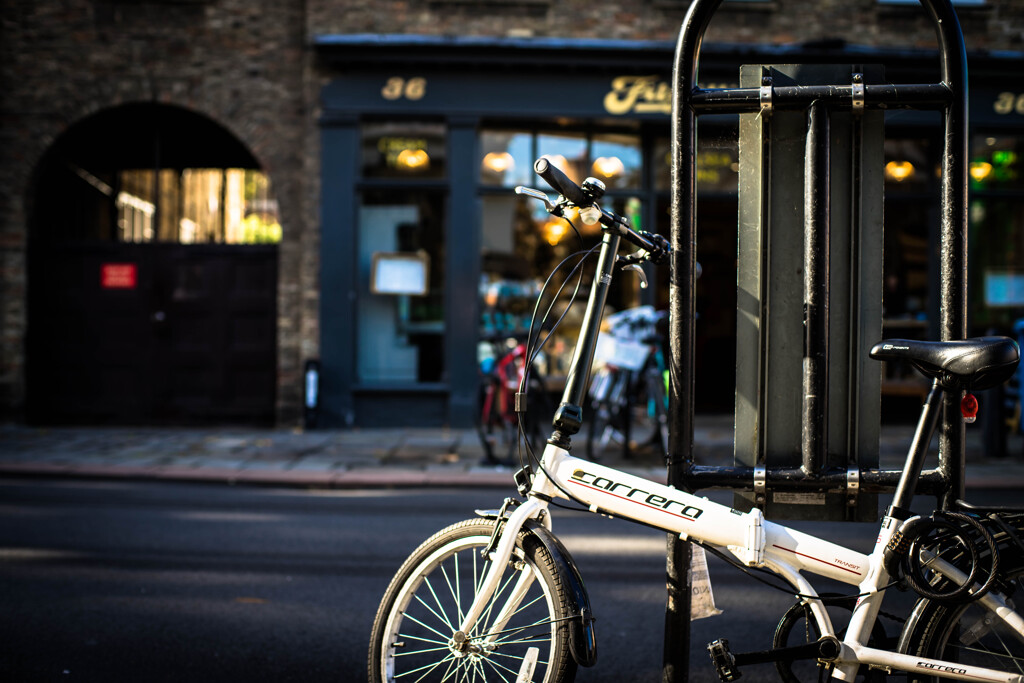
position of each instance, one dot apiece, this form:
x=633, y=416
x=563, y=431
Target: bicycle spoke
x=430, y=609
x=429, y=667
x=485, y=617
x=498, y=666
x=449, y=672
x=526, y=606
x=420, y=652
x=440, y=607
x=429, y=628
x=1000, y=658
x=422, y=639
x=456, y=591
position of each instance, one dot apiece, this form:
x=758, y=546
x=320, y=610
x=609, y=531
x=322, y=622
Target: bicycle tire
x=940, y=630
x=436, y=585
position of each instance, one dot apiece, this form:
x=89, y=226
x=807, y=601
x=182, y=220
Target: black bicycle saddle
x=969, y=364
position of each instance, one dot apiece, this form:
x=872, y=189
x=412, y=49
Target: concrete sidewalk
x=370, y=457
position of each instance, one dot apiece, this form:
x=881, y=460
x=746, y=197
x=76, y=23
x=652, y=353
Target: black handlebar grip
x=561, y=183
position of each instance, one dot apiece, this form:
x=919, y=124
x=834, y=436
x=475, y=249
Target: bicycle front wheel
x=525, y=624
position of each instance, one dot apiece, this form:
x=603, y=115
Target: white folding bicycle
x=498, y=598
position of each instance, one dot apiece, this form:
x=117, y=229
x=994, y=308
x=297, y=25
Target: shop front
x=428, y=255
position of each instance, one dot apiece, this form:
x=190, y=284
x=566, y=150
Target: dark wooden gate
x=152, y=334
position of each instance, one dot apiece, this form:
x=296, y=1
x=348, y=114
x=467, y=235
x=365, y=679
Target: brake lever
x=640, y=272
x=551, y=208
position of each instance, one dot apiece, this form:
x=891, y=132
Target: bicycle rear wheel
x=413, y=636
x=970, y=633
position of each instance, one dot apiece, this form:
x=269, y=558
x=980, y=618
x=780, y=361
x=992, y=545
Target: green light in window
x=1004, y=157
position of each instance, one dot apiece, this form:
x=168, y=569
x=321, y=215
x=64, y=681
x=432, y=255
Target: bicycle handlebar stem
x=569, y=416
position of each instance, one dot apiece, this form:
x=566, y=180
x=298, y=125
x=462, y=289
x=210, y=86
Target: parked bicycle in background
x=628, y=393
x=505, y=371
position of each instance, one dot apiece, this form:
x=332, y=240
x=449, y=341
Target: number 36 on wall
x=396, y=88
x=1009, y=103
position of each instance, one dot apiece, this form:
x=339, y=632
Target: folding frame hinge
x=752, y=552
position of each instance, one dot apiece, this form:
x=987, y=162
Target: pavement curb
x=352, y=479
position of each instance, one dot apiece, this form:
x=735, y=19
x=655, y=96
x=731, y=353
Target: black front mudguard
x=583, y=639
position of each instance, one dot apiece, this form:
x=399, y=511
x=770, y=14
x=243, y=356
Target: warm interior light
x=553, y=230
x=558, y=160
x=608, y=166
x=899, y=170
x=980, y=170
x=413, y=159
x=499, y=162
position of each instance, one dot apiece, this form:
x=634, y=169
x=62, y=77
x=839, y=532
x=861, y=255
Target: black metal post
x=682, y=309
x=953, y=249
x=817, y=188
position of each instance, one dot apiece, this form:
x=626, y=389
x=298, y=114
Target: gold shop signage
x=638, y=95
x=644, y=95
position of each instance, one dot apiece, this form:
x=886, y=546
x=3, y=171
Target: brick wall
x=247, y=65
x=997, y=25
x=240, y=62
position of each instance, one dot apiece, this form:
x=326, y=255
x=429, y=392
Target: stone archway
x=152, y=274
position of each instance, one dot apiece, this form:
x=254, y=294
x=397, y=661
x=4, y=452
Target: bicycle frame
x=753, y=540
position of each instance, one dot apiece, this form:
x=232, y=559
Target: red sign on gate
x=119, y=275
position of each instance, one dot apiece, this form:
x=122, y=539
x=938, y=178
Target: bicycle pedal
x=723, y=659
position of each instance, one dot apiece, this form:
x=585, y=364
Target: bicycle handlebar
x=560, y=182
x=656, y=245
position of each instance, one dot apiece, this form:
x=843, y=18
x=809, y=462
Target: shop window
x=996, y=251
x=718, y=163
x=401, y=331
x=153, y=173
x=568, y=151
x=196, y=206
x=997, y=264
x=404, y=150
x=616, y=161
x=908, y=167
x=506, y=158
x=996, y=163
x=523, y=245
x=910, y=177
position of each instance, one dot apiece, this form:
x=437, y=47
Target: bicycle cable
x=529, y=459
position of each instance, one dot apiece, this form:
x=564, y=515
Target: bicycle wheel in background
x=652, y=410
x=413, y=633
x=633, y=408
x=969, y=633
x=605, y=419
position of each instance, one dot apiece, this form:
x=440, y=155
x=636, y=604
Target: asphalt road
x=157, y=582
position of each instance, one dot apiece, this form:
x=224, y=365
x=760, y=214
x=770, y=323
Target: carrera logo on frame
x=942, y=667
x=621, y=490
